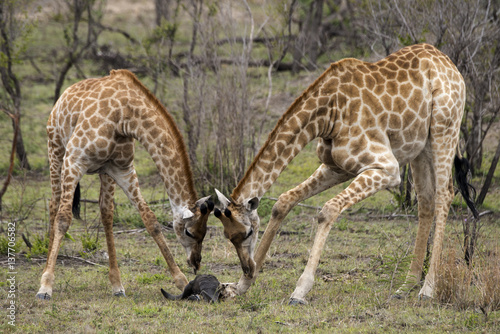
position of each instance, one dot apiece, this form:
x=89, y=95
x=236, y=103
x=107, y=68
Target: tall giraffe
x=91, y=129
x=370, y=119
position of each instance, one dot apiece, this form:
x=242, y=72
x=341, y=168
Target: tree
x=467, y=31
x=162, y=9
x=15, y=29
x=78, y=12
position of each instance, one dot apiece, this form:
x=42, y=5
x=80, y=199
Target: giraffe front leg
x=154, y=229
x=127, y=180
x=363, y=186
x=322, y=179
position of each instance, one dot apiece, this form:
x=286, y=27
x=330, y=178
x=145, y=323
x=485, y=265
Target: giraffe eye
x=186, y=232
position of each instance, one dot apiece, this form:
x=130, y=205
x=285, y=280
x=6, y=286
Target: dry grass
x=474, y=287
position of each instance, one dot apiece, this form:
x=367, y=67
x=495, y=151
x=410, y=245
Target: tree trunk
x=162, y=8
x=20, y=151
x=474, y=145
x=308, y=44
x=489, y=177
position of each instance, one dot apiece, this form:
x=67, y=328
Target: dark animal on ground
x=206, y=286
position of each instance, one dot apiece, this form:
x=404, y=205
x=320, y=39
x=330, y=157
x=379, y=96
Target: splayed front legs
x=363, y=186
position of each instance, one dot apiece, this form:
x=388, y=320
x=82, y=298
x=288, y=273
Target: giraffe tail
x=466, y=189
x=76, y=202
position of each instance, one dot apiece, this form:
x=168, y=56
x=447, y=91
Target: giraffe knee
x=63, y=225
x=153, y=229
x=394, y=177
x=281, y=208
x=325, y=217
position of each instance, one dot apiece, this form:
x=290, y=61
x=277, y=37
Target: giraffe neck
x=309, y=117
x=156, y=130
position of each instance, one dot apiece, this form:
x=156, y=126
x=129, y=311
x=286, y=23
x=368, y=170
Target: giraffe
x=370, y=119
x=91, y=129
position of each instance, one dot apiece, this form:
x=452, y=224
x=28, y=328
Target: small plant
x=89, y=244
x=342, y=224
x=40, y=246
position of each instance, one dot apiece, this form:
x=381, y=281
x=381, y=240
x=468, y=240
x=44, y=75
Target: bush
x=4, y=245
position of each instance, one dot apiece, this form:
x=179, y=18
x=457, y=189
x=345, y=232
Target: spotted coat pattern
x=92, y=129
x=370, y=119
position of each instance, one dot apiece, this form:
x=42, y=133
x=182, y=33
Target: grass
x=363, y=262
x=365, y=258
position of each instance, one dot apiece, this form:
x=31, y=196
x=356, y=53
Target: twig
x=26, y=241
x=484, y=213
x=394, y=215
x=81, y=259
x=137, y=230
x=300, y=204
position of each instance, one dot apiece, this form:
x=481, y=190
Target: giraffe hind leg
x=107, y=208
x=423, y=179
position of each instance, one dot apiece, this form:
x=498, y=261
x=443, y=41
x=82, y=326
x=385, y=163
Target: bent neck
x=158, y=133
x=306, y=119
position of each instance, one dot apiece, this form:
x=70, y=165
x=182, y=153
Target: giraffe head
x=190, y=227
x=241, y=226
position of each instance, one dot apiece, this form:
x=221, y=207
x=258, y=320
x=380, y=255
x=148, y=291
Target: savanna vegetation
x=226, y=71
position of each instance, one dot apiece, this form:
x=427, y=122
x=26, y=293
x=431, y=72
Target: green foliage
x=151, y=278
x=40, y=246
x=90, y=243
x=342, y=224
x=166, y=30
x=265, y=208
x=147, y=311
x=407, y=40
x=4, y=245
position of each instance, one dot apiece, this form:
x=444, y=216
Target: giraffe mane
x=174, y=129
x=239, y=188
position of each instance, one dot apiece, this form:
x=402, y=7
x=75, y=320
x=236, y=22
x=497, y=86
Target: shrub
x=4, y=245
x=40, y=246
x=470, y=287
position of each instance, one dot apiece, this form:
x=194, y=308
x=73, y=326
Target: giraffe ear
x=252, y=204
x=186, y=214
x=222, y=199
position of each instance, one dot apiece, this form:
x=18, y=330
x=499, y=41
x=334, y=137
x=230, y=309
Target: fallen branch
x=80, y=259
x=393, y=215
x=137, y=230
x=300, y=204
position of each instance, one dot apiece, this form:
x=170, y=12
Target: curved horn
x=222, y=199
x=202, y=200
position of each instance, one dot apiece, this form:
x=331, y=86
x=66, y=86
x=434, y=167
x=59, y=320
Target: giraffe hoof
x=119, y=294
x=294, y=302
x=424, y=297
x=43, y=296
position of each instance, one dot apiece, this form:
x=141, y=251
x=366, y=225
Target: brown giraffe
x=92, y=129
x=370, y=118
